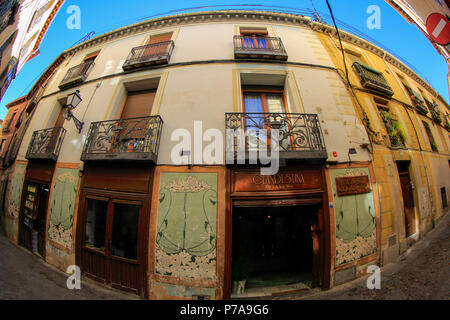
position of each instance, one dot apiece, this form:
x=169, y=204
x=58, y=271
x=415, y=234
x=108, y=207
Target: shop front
x=112, y=232
x=278, y=231
x=34, y=204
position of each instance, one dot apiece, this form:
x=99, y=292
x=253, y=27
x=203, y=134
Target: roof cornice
x=251, y=16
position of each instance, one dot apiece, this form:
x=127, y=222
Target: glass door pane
x=96, y=224
x=275, y=103
x=254, y=123
x=125, y=231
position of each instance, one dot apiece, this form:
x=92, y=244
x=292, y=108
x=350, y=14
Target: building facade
x=23, y=25
x=126, y=167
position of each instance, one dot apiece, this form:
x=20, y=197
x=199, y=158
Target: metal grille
x=373, y=79
x=259, y=44
x=46, y=144
x=297, y=132
x=133, y=139
x=151, y=53
x=79, y=72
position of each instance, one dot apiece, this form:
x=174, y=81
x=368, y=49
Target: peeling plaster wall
x=15, y=195
x=355, y=220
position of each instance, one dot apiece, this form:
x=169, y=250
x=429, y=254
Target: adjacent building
x=23, y=25
x=126, y=167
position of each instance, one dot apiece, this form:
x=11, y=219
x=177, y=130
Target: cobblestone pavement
x=421, y=273
x=25, y=276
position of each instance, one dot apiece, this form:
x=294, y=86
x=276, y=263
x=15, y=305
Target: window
x=354, y=56
x=11, y=120
x=1, y=145
x=416, y=98
x=37, y=16
x=257, y=101
x=157, y=45
x=430, y=136
x=258, y=105
x=138, y=104
x=254, y=38
x=397, y=135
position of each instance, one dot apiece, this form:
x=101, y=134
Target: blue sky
x=102, y=16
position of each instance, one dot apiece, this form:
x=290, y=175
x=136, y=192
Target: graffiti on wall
x=186, y=228
x=16, y=190
x=62, y=206
x=355, y=219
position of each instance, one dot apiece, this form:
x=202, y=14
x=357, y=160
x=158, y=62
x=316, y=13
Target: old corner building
x=364, y=158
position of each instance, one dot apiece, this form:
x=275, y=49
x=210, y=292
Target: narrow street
x=423, y=272
x=25, y=276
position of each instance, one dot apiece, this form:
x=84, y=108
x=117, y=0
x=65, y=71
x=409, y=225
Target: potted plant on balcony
x=435, y=114
x=397, y=134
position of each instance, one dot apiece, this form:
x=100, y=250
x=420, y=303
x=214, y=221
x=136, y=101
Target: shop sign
x=292, y=180
x=352, y=185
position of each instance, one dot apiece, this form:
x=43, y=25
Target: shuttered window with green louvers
x=418, y=102
x=373, y=79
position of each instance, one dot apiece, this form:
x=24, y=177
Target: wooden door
x=408, y=202
x=112, y=242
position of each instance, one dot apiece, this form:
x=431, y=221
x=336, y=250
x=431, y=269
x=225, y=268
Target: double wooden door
x=113, y=238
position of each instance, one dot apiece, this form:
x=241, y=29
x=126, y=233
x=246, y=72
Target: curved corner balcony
x=151, y=54
x=76, y=75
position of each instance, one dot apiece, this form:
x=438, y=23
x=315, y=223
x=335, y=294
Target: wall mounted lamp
x=73, y=100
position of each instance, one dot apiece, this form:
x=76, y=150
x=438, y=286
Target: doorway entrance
x=33, y=217
x=408, y=200
x=272, y=246
x=113, y=240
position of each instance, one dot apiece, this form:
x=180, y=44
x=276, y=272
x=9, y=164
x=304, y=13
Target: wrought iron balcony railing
x=151, y=54
x=300, y=136
x=77, y=74
x=259, y=48
x=46, y=144
x=124, y=139
x=373, y=80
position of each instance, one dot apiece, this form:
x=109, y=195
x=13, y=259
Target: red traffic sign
x=438, y=27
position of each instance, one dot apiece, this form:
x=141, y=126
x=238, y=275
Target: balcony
x=6, y=125
x=151, y=54
x=434, y=110
x=134, y=139
x=46, y=144
x=419, y=105
x=76, y=75
x=373, y=80
x=300, y=136
x=246, y=47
